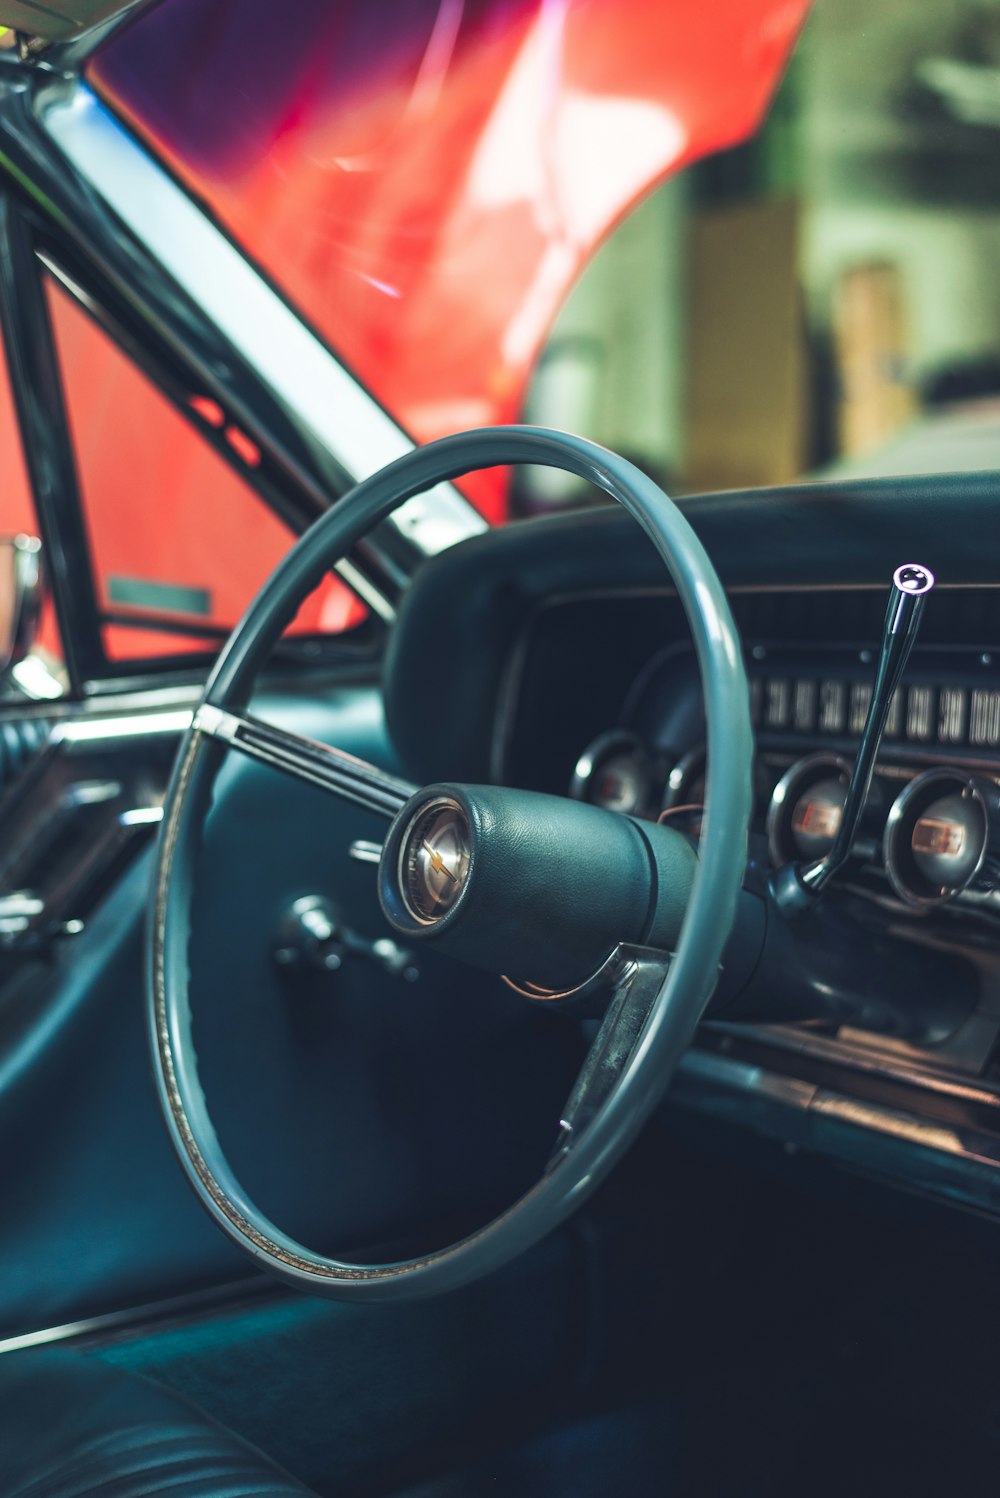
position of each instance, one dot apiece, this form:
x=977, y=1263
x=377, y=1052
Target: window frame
x=64, y=220
x=51, y=223
x=28, y=254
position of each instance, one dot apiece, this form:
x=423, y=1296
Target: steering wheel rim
x=693, y=967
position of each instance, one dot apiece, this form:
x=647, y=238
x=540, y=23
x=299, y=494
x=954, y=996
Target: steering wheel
x=655, y=997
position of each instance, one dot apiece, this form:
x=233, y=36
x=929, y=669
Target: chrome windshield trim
x=71, y=55
x=340, y=416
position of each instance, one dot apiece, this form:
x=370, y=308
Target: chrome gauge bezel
x=899, y=824
x=796, y=779
x=608, y=746
x=685, y=773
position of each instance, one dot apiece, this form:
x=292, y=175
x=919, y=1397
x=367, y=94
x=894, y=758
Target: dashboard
x=562, y=663
x=931, y=831
x=908, y=930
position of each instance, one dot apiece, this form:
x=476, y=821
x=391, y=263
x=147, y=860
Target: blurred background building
x=824, y=295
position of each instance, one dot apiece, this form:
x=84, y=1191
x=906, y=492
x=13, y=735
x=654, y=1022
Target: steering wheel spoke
x=306, y=759
x=637, y=975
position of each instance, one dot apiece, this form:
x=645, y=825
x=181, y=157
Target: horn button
x=434, y=858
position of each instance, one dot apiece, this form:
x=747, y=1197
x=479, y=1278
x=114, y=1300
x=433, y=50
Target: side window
x=179, y=542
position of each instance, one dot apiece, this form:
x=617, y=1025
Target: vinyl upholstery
x=72, y=1427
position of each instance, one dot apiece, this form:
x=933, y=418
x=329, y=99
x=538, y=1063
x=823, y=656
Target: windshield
x=821, y=301
x=426, y=178
x=807, y=288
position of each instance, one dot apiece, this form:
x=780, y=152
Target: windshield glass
x=820, y=301
x=808, y=286
x=425, y=178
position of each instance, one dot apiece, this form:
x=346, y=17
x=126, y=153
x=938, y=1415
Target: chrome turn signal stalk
x=797, y=885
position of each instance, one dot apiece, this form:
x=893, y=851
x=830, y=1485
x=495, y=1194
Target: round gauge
x=936, y=837
x=684, y=794
x=807, y=807
x=616, y=772
x=686, y=781
x=434, y=858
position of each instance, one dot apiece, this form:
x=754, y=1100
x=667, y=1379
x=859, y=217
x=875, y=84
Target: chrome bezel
x=418, y=815
x=676, y=791
x=894, y=823
x=615, y=739
x=823, y=759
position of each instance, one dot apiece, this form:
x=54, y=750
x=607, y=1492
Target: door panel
x=358, y=1108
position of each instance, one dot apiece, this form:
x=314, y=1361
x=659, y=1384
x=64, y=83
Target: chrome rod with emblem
x=796, y=885
x=306, y=759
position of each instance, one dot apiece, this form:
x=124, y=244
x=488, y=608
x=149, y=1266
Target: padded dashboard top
x=466, y=607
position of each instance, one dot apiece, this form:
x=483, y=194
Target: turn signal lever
x=797, y=886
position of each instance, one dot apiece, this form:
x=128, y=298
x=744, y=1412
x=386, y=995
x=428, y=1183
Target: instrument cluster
x=931, y=829
x=934, y=835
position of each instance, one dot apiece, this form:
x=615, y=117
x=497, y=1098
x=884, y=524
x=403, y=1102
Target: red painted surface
x=17, y=511
x=426, y=178
x=139, y=463
x=423, y=178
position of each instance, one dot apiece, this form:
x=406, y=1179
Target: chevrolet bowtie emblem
x=438, y=864
x=434, y=859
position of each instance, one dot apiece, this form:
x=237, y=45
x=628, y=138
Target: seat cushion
x=71, y=1426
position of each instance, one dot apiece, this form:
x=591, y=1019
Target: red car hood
x=426, y=178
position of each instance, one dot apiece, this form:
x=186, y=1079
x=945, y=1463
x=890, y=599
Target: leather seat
x=72, y=1426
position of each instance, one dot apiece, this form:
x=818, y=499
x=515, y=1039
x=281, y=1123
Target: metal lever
x=797, y=885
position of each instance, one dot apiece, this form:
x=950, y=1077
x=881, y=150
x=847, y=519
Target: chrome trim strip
x=37, y=681
x=951, y=1162
x=306, y=759
x=864, y=1055
x=365, y=590
x=896, y=761
x=342, y=418
x=142, y=816
x=136, y=1318
x=71, y=55
x=66, y=712
x=363, y=851
x=117, y=703
x=129, y=725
